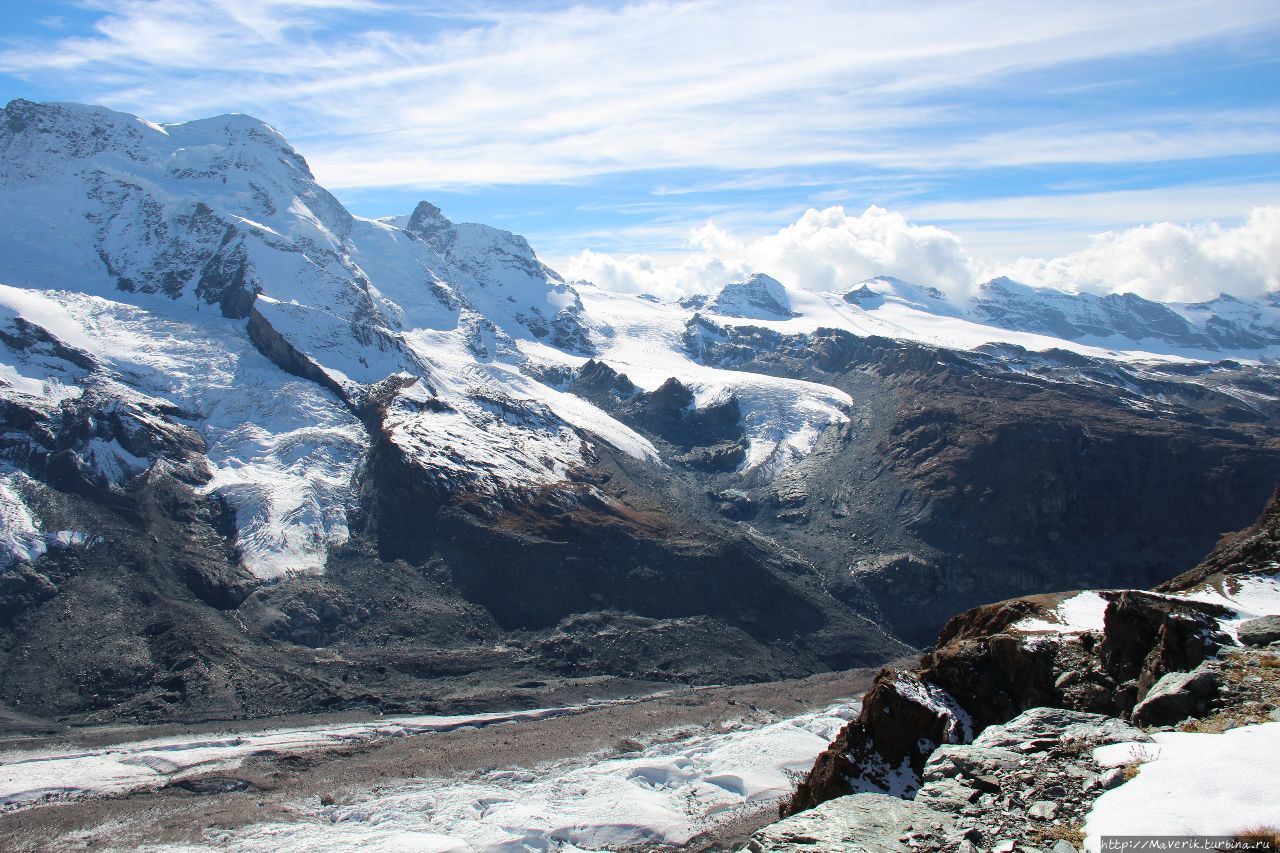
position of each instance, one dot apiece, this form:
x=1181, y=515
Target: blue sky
x=1023, y=129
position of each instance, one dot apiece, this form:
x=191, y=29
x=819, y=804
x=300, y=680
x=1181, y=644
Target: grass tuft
x=1072, y=833
x=1258, y=838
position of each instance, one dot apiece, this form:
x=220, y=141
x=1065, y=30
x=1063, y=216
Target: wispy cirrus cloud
x=382, y=94
x=1022, y=128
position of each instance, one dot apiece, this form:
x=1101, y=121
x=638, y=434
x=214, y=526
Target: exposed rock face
x=902, y=720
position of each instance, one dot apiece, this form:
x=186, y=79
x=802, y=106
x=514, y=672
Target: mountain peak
x=428, y=222
x=759, y=297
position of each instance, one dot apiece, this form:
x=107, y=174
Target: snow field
x=1191, y=784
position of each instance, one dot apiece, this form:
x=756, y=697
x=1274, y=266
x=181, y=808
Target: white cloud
x=1083, y=209
x=697, y=273
x=822, y=250
x=828, y=249
x=1170, y=262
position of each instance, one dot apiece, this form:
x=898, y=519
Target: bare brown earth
x=174, y=815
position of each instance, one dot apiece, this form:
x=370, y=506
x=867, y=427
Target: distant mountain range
x=240, y=426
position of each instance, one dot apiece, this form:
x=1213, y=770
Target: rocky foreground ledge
x=1004, y=737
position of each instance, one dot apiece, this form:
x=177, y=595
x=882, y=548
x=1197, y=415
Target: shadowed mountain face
x=258, y=455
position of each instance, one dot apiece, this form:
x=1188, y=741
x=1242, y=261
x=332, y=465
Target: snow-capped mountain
x=219, y=387
x=1225, y=324
x=175, y=225
x=759, y=297
x=1124, y=326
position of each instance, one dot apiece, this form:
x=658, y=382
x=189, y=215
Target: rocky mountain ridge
x=986, y=740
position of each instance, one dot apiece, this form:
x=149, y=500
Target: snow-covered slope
x=1127, y=321
x=134, y=253
x=187, y=295
x=145, y=248
x=760, y=297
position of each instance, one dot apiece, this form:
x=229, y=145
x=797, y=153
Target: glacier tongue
x=20, y=536
x=280, y=450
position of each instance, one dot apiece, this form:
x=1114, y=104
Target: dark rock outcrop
x=902, y=719
x=284, y=355
x=1148, y=636
x=710, y=439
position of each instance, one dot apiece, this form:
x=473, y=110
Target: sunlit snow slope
x=188, y=296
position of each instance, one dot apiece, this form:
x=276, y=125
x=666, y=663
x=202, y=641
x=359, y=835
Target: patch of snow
x=1191, y=784
x=1247, y=596
x=1080, y=613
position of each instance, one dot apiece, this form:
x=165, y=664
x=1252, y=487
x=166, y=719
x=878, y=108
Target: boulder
x=947, y=795
x=1176, y=696
x=951, y=760
x=1259, y=632
x=1040, y=728
x=861, y=823
x=1043, y=810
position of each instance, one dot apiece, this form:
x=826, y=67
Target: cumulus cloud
x=698, y=273
x=832, y=249
x=822, y=250
x=1170, y=262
